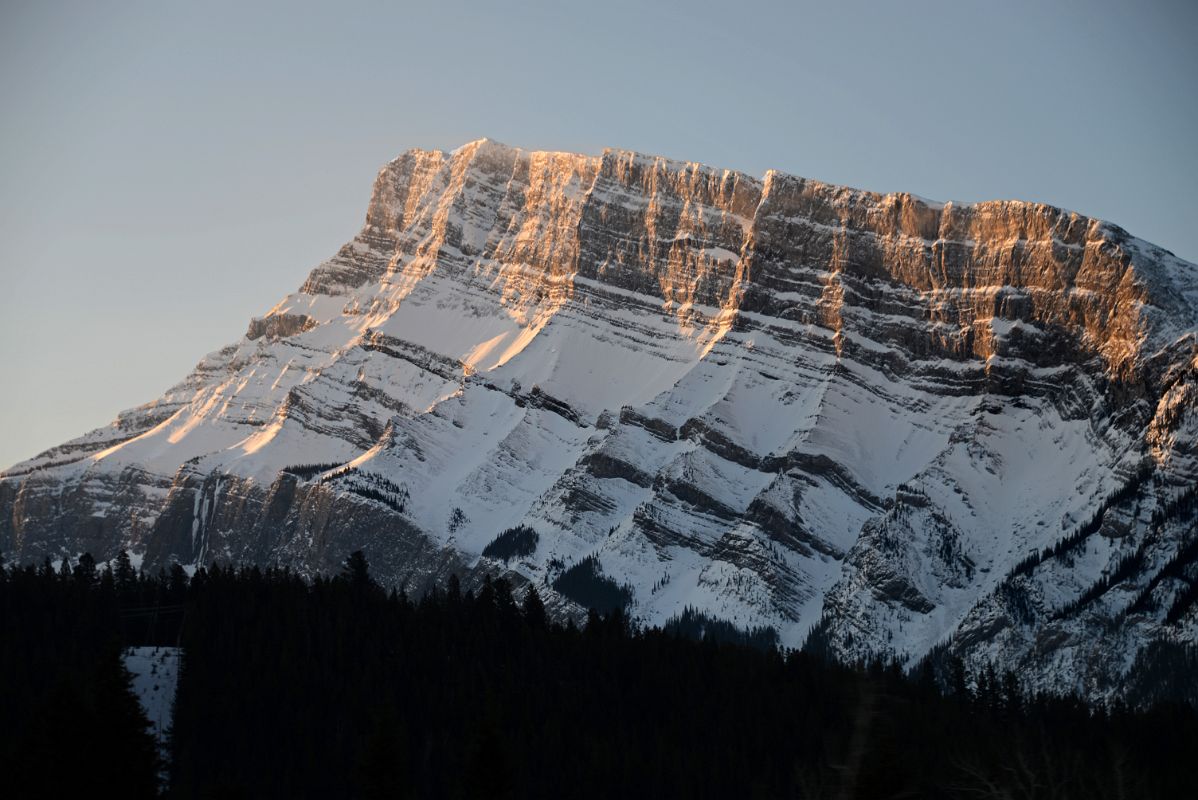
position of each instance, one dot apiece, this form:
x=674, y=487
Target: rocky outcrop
x=279, y=326
x=918, y=425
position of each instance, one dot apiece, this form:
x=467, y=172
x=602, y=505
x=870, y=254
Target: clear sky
x=170, y=169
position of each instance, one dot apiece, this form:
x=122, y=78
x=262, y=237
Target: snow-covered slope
x=896, y=422
x=155, y=677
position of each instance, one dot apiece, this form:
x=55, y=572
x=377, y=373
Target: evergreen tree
x=486, y=594
x=534, y=608
x=956, y=678
x=357, y=571
x=177, y=583
x=504, y=601
x=85, y=570
x=125, y=575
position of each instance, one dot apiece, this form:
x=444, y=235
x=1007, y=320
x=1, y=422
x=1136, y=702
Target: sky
x=170, y=169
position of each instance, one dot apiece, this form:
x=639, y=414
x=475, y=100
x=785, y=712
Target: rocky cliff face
x=900, y=424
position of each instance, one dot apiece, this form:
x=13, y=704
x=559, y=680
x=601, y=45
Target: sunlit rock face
x=900, y=423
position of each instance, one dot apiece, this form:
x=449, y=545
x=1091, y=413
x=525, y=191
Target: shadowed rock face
x=776, y=400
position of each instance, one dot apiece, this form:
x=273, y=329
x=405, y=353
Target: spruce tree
x=125, y=575
x=534, y=609
x=503, y=596
x=356, y=570
x=85, y=570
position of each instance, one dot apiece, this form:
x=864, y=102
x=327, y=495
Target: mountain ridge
x=776, y=400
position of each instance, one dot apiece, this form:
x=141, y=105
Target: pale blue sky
x=168, y=170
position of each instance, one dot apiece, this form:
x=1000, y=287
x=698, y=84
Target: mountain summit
x=881, y=425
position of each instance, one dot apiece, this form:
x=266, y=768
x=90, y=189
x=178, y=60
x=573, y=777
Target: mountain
x=879, y=424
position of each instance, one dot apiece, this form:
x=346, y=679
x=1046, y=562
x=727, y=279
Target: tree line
x=337, y=687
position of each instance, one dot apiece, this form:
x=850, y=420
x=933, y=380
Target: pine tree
x=534, y=609
x=486, y=594
x=594, y=625
x=177, y=586
x=356, y=570
x=504, y=600
x=85, y=570
x=1012, y=693
x=125, y=575
x=107, y=582
x=956, y=678
x=130, y=756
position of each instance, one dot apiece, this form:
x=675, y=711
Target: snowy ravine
x=779, y=401
x=155, y=672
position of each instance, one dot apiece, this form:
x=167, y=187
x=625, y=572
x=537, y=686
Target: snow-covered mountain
x=897, y=422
